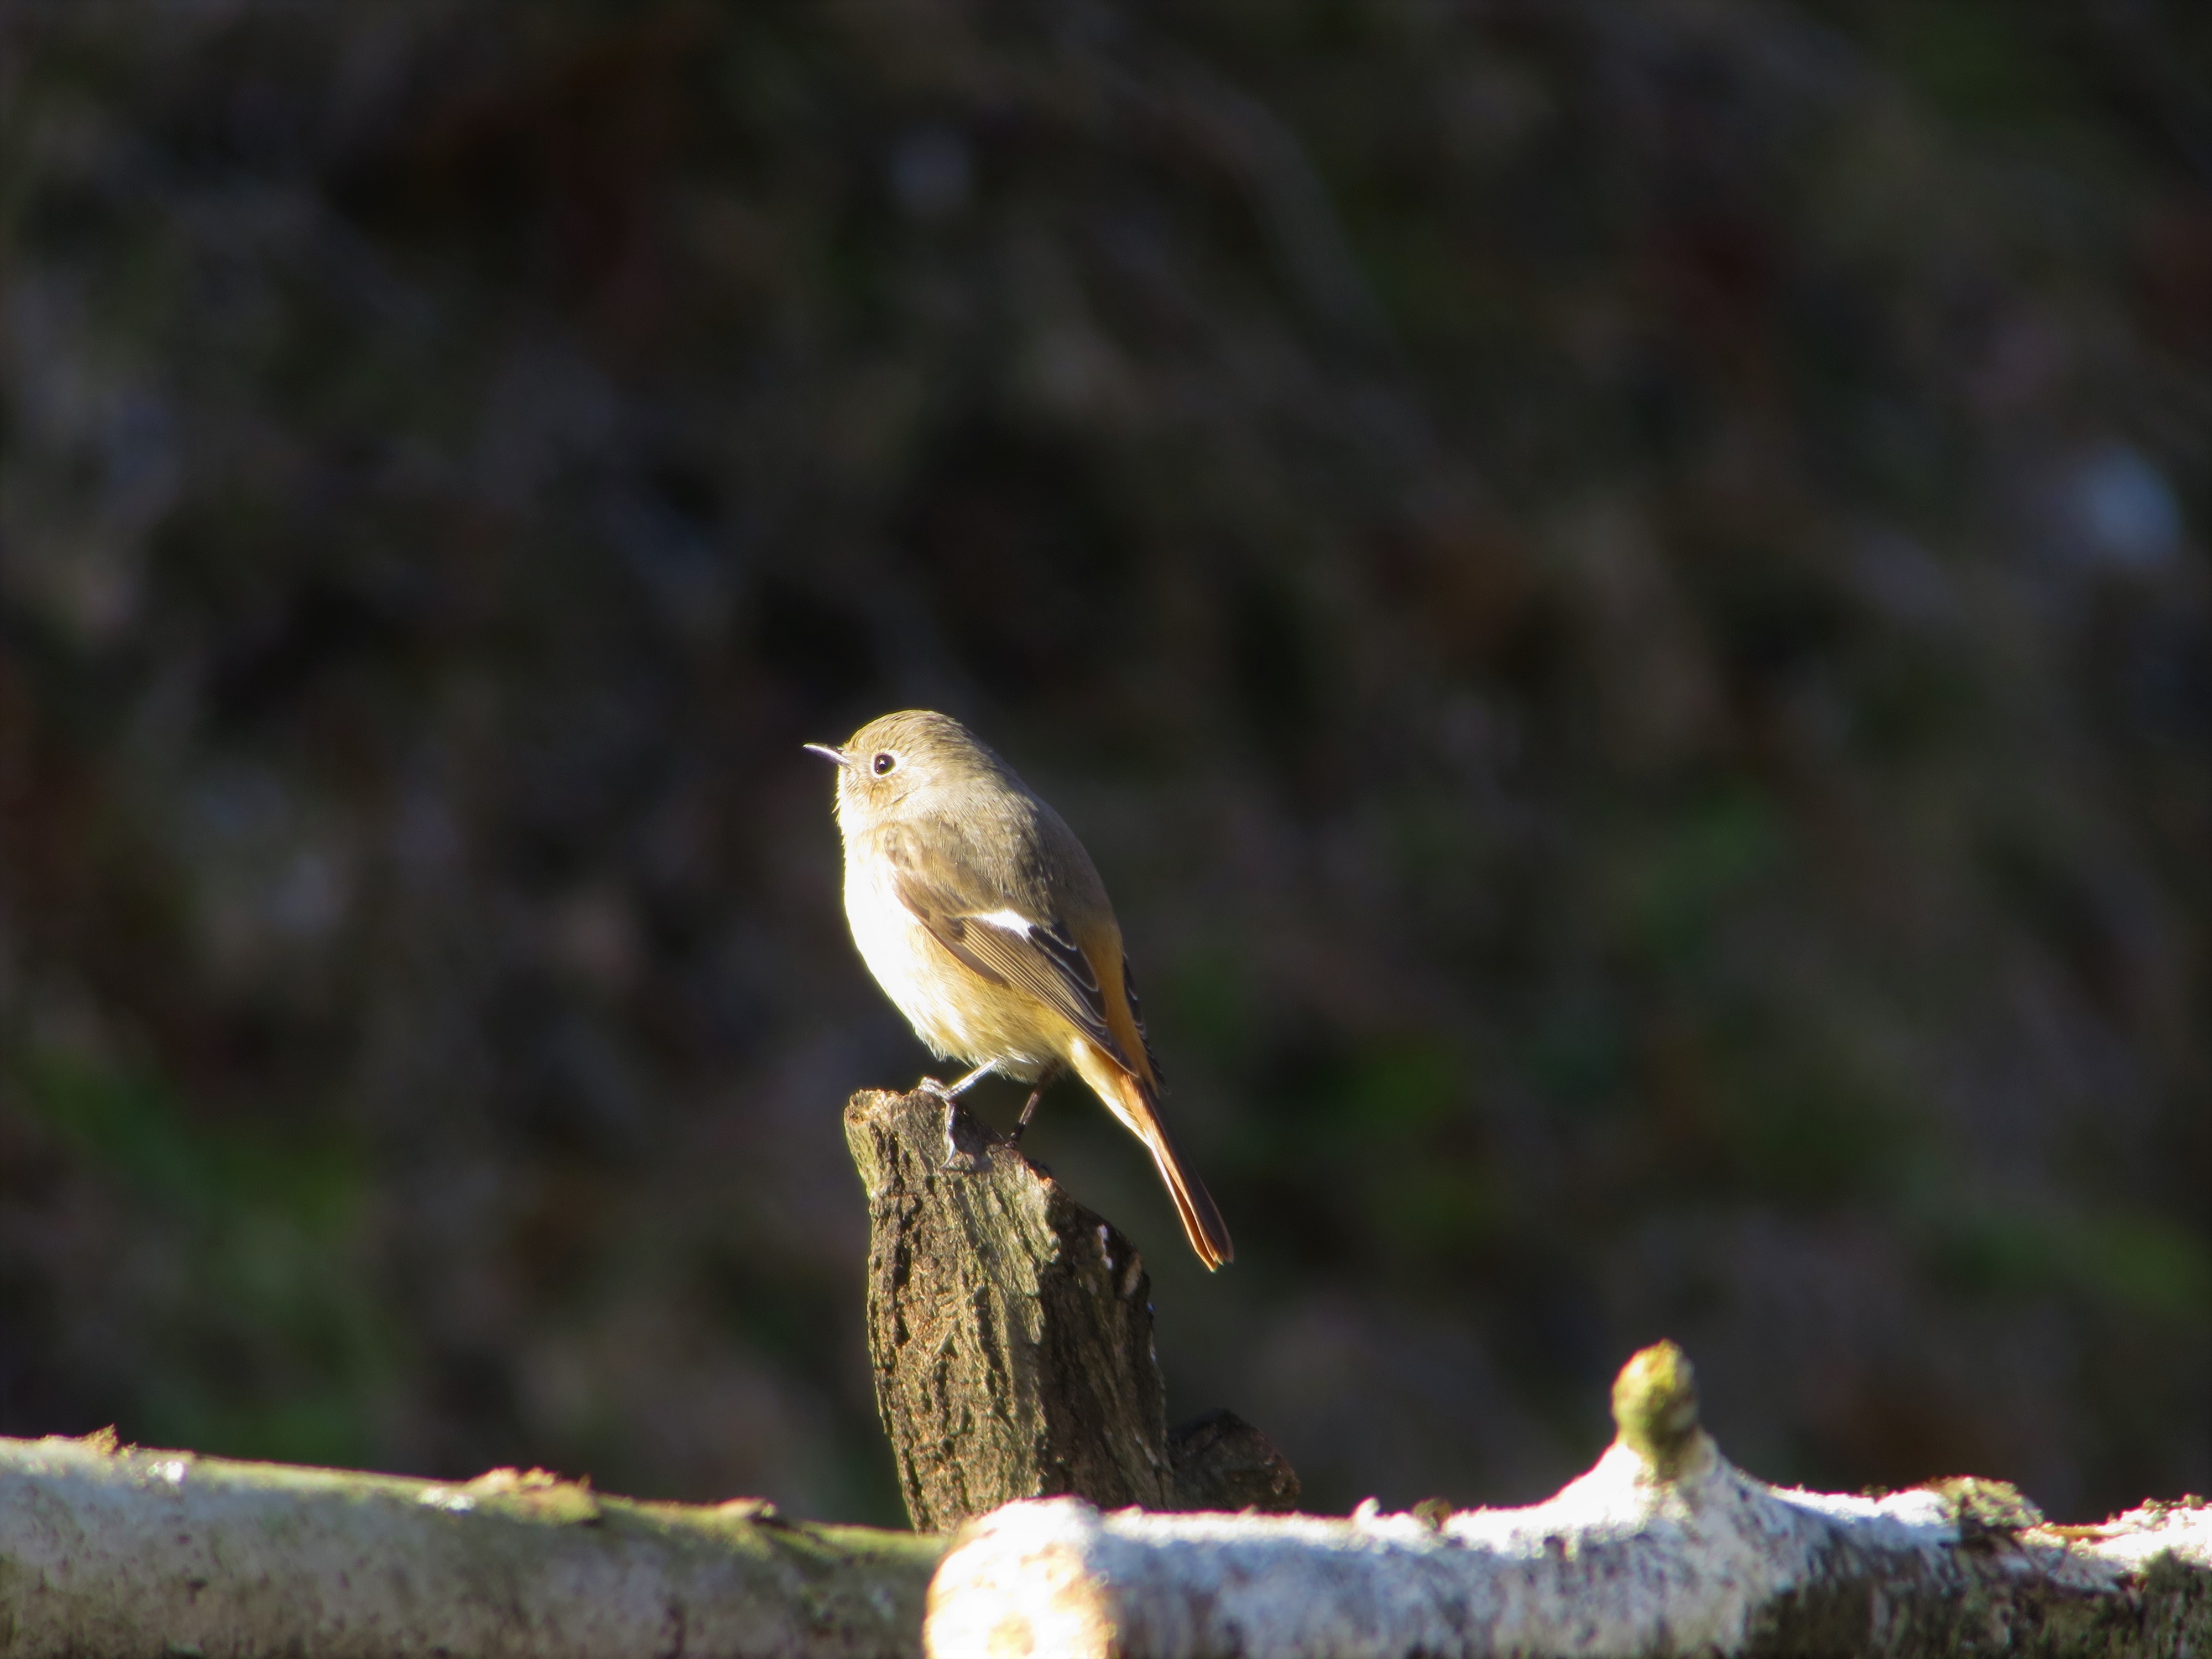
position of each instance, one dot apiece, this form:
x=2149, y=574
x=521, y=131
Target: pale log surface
x=1011, y=1330
x=1662, y=1548
x=108, y=1553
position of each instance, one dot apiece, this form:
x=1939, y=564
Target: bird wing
x=1001, y=942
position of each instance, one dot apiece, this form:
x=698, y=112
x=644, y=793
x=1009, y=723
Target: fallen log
x=109, y=1552
x=1662, y=1548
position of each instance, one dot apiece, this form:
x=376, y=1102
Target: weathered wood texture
x=109, y=1553
x=1012, y=1333
x=1663, y=1548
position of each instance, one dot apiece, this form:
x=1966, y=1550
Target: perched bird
x=983, y=919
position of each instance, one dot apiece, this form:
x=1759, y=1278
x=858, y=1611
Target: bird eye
x=884, y=763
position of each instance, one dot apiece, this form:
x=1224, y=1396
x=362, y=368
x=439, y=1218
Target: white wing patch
x=1006, y=921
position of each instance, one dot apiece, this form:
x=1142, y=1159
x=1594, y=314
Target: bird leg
x=1028, y=1110
x=954, y=1090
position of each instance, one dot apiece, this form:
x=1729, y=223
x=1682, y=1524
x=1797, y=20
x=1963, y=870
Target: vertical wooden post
x=1011, y=1329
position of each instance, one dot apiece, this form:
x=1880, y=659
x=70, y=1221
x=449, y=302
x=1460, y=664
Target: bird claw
x=955, y=1161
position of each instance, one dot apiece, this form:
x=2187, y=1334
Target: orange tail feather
x=1136, y=1104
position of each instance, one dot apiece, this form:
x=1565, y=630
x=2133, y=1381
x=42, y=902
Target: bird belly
x=957, y=1012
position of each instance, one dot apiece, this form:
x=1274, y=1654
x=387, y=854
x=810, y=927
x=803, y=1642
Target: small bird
x=983, y=919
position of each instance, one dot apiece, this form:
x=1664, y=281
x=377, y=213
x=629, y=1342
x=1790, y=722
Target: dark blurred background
x=1619, y=591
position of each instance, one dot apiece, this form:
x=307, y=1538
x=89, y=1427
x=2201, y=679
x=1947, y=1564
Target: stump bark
x=1011, y=1330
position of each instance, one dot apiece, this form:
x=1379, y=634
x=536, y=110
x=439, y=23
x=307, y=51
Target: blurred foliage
x=1620, y=592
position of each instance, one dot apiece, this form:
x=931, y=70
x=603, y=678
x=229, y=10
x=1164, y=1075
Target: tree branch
x=1663, y=1547
x=108, y=1553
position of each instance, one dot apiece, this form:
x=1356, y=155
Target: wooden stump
x=1011, y=1330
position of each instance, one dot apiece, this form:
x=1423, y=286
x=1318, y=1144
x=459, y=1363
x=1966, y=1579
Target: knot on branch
x=1655, y=1406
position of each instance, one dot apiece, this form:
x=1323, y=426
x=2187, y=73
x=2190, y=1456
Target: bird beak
x=823, y=749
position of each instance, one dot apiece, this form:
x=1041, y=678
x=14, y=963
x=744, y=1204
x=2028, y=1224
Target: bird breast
x=957, y=1012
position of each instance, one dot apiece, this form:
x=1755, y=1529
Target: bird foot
x=957, y=1159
